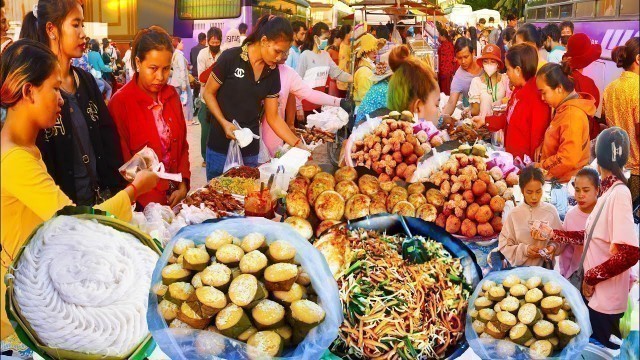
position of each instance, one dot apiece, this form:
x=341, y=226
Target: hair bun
x=565, y=65
x=618, y=55
x=398, y=56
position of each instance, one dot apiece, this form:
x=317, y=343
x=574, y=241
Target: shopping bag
x=234, y=156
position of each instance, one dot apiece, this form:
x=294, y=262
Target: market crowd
x=75, y=110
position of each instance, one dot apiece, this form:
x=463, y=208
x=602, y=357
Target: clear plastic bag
x=504, y=349
x=234, y=156
x=201, y=344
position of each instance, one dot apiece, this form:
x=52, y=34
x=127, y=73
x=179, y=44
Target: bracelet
x=135, y=192
x=296, y=143
x=440, y=122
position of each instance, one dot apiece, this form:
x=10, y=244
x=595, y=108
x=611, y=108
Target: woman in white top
x=180, y=79
x=491, y=87
x=315, y=65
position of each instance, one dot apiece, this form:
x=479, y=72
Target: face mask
x=214, y=49
x=323, y=44
x=490, y=69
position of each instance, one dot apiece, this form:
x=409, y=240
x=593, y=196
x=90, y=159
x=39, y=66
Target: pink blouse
x=291, y=82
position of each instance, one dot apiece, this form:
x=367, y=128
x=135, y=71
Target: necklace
x=492, y=89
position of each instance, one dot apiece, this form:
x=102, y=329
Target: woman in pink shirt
x=586, y=187
x=292, y=83
x=613, y=249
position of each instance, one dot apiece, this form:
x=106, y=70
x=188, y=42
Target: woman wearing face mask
x=367, y=52
x=81, y=150
x=527, y=117
x=566, y=147
x=490, y=88
x=180, y=78
x=148, y=112
x=252, y=72
x=315, y=64
x=586, y=185
x=30, y=90
x=515, y=241
x=413, y=86
x=613, y=246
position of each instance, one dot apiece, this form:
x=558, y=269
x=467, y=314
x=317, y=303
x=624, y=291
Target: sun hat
x=581, y=52
x=492, y=52
x=368, y=43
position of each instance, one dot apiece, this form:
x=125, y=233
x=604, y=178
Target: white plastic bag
x=504, y=349
x=263, y=156
x=234, y=156
x=179, y=344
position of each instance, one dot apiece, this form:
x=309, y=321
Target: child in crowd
x=515, y=241
x=586, y=185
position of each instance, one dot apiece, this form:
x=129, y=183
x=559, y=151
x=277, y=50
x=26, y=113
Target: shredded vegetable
x=397, y=310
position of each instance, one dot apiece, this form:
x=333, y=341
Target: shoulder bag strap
x=590, y=235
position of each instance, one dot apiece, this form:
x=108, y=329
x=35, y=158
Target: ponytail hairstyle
x=612, y=151
x=24, y=62
x=152, y=38
x=274, y=28
x=557, y=75
x=412, y=79
x=624, y=56
x=316, y=30
x=34, y=25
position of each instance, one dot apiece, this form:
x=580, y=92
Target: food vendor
x=250, y=70
x=566, y=146
x=413, y=85
x=586, y=185
x=315, y=64
x=148, y=112
x=515, y=241
x=613, y=247
x=620, y=105
x=31, y=80
x=366, y=54
x=81, y=150
x=292, y=85
x=491, y=88
x=527, y=117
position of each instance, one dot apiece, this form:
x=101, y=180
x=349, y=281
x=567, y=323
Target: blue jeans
x=216, y=161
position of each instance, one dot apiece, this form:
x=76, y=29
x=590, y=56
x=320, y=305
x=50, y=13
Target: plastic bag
x=234, y=157
x=263, y=156
x=146, y=159
x=194, y=344
x=505, y=349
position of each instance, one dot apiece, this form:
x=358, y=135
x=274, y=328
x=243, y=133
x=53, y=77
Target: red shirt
x=130, y=109
x=584, y=84
x=525, y=121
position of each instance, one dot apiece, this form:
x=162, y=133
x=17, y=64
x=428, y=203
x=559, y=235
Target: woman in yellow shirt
x=367, y=52
x=31, y=77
